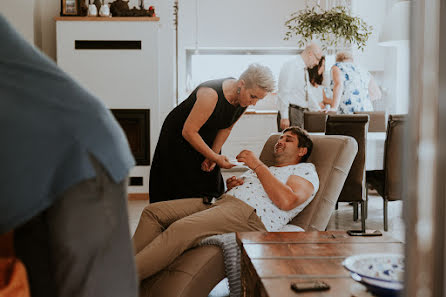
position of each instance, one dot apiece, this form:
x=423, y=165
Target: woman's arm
x=285, y=196
x=374, y=91
x=326, y=100
x=220, y=139
x=223, y=134
x=209, y=165
x=338, y=86
x=204, y=106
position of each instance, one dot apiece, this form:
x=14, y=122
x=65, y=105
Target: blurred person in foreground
x=65, y=162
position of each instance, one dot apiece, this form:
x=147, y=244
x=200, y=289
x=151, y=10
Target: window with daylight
x=206, y=64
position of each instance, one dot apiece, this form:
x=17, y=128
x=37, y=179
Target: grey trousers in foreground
x=81, y=245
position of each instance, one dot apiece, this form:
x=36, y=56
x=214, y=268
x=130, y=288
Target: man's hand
x=284, y=123
x=249, y=158
x=233, y=182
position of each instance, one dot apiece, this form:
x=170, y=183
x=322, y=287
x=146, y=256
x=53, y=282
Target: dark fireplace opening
x=136, y=125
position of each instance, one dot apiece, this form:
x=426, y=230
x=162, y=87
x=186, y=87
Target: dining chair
x=354, y=190
x=388, y=182
x=314, y=121
x=377, y=120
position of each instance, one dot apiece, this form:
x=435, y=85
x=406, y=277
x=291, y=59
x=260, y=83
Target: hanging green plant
x=334, y=27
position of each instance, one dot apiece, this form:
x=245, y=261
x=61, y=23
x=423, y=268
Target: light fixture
x=396, y=29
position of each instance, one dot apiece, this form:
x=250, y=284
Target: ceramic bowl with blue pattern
x=382, y=274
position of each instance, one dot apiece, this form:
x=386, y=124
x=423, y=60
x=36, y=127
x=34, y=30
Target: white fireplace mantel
x=121, y=78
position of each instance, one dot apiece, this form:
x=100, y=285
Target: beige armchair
x=200, y=269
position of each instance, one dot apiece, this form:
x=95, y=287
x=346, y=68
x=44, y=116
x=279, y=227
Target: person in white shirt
x=263, y=199
x=293, y=87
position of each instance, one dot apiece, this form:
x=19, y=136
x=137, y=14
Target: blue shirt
x=49, y=125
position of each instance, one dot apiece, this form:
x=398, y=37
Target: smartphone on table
x=306, y=286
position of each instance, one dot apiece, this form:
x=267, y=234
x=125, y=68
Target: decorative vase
x=92, y=10
x=98, y=4
x=105, y=10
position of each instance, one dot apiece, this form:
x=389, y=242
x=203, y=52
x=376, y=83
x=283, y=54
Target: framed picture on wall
x=69, y=7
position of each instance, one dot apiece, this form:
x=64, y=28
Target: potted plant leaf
x=334, y=27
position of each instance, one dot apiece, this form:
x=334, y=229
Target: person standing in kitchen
x=293, y=87
x=187, y=158
x=354, y=88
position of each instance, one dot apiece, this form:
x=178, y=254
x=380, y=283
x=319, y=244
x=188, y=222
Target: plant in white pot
x=334, y=27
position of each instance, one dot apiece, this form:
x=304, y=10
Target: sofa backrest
x=377, y=120
x=393, y=157
x=314, y=121
x=332, y=156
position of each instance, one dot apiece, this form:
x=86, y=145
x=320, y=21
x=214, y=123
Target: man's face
x=287, y=147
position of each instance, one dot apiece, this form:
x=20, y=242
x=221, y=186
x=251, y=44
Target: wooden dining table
x=271, y=261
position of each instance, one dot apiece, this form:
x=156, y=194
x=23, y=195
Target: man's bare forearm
x=280, y=194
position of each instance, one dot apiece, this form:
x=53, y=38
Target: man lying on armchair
x=263, y=199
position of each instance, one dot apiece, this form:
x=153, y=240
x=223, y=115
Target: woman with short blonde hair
x=187, y=158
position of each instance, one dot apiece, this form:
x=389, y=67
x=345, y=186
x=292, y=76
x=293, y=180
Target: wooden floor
x=342, y=219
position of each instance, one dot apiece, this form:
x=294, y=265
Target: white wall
x=231, y=24
x=45, y=28
x=373, y=13
x=260, y=24
x=20, y=13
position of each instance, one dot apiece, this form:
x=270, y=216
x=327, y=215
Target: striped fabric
x=231, y=254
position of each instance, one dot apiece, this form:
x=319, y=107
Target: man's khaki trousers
x=167, y=229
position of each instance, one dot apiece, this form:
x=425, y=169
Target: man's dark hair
x=304, y=140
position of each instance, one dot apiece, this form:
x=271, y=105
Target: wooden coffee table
x=272, y=261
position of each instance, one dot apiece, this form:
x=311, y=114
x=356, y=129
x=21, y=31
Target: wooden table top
x=276, y=259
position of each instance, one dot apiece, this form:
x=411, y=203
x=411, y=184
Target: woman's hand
x=208, y=165
x=233, y=182
x=223, y=162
